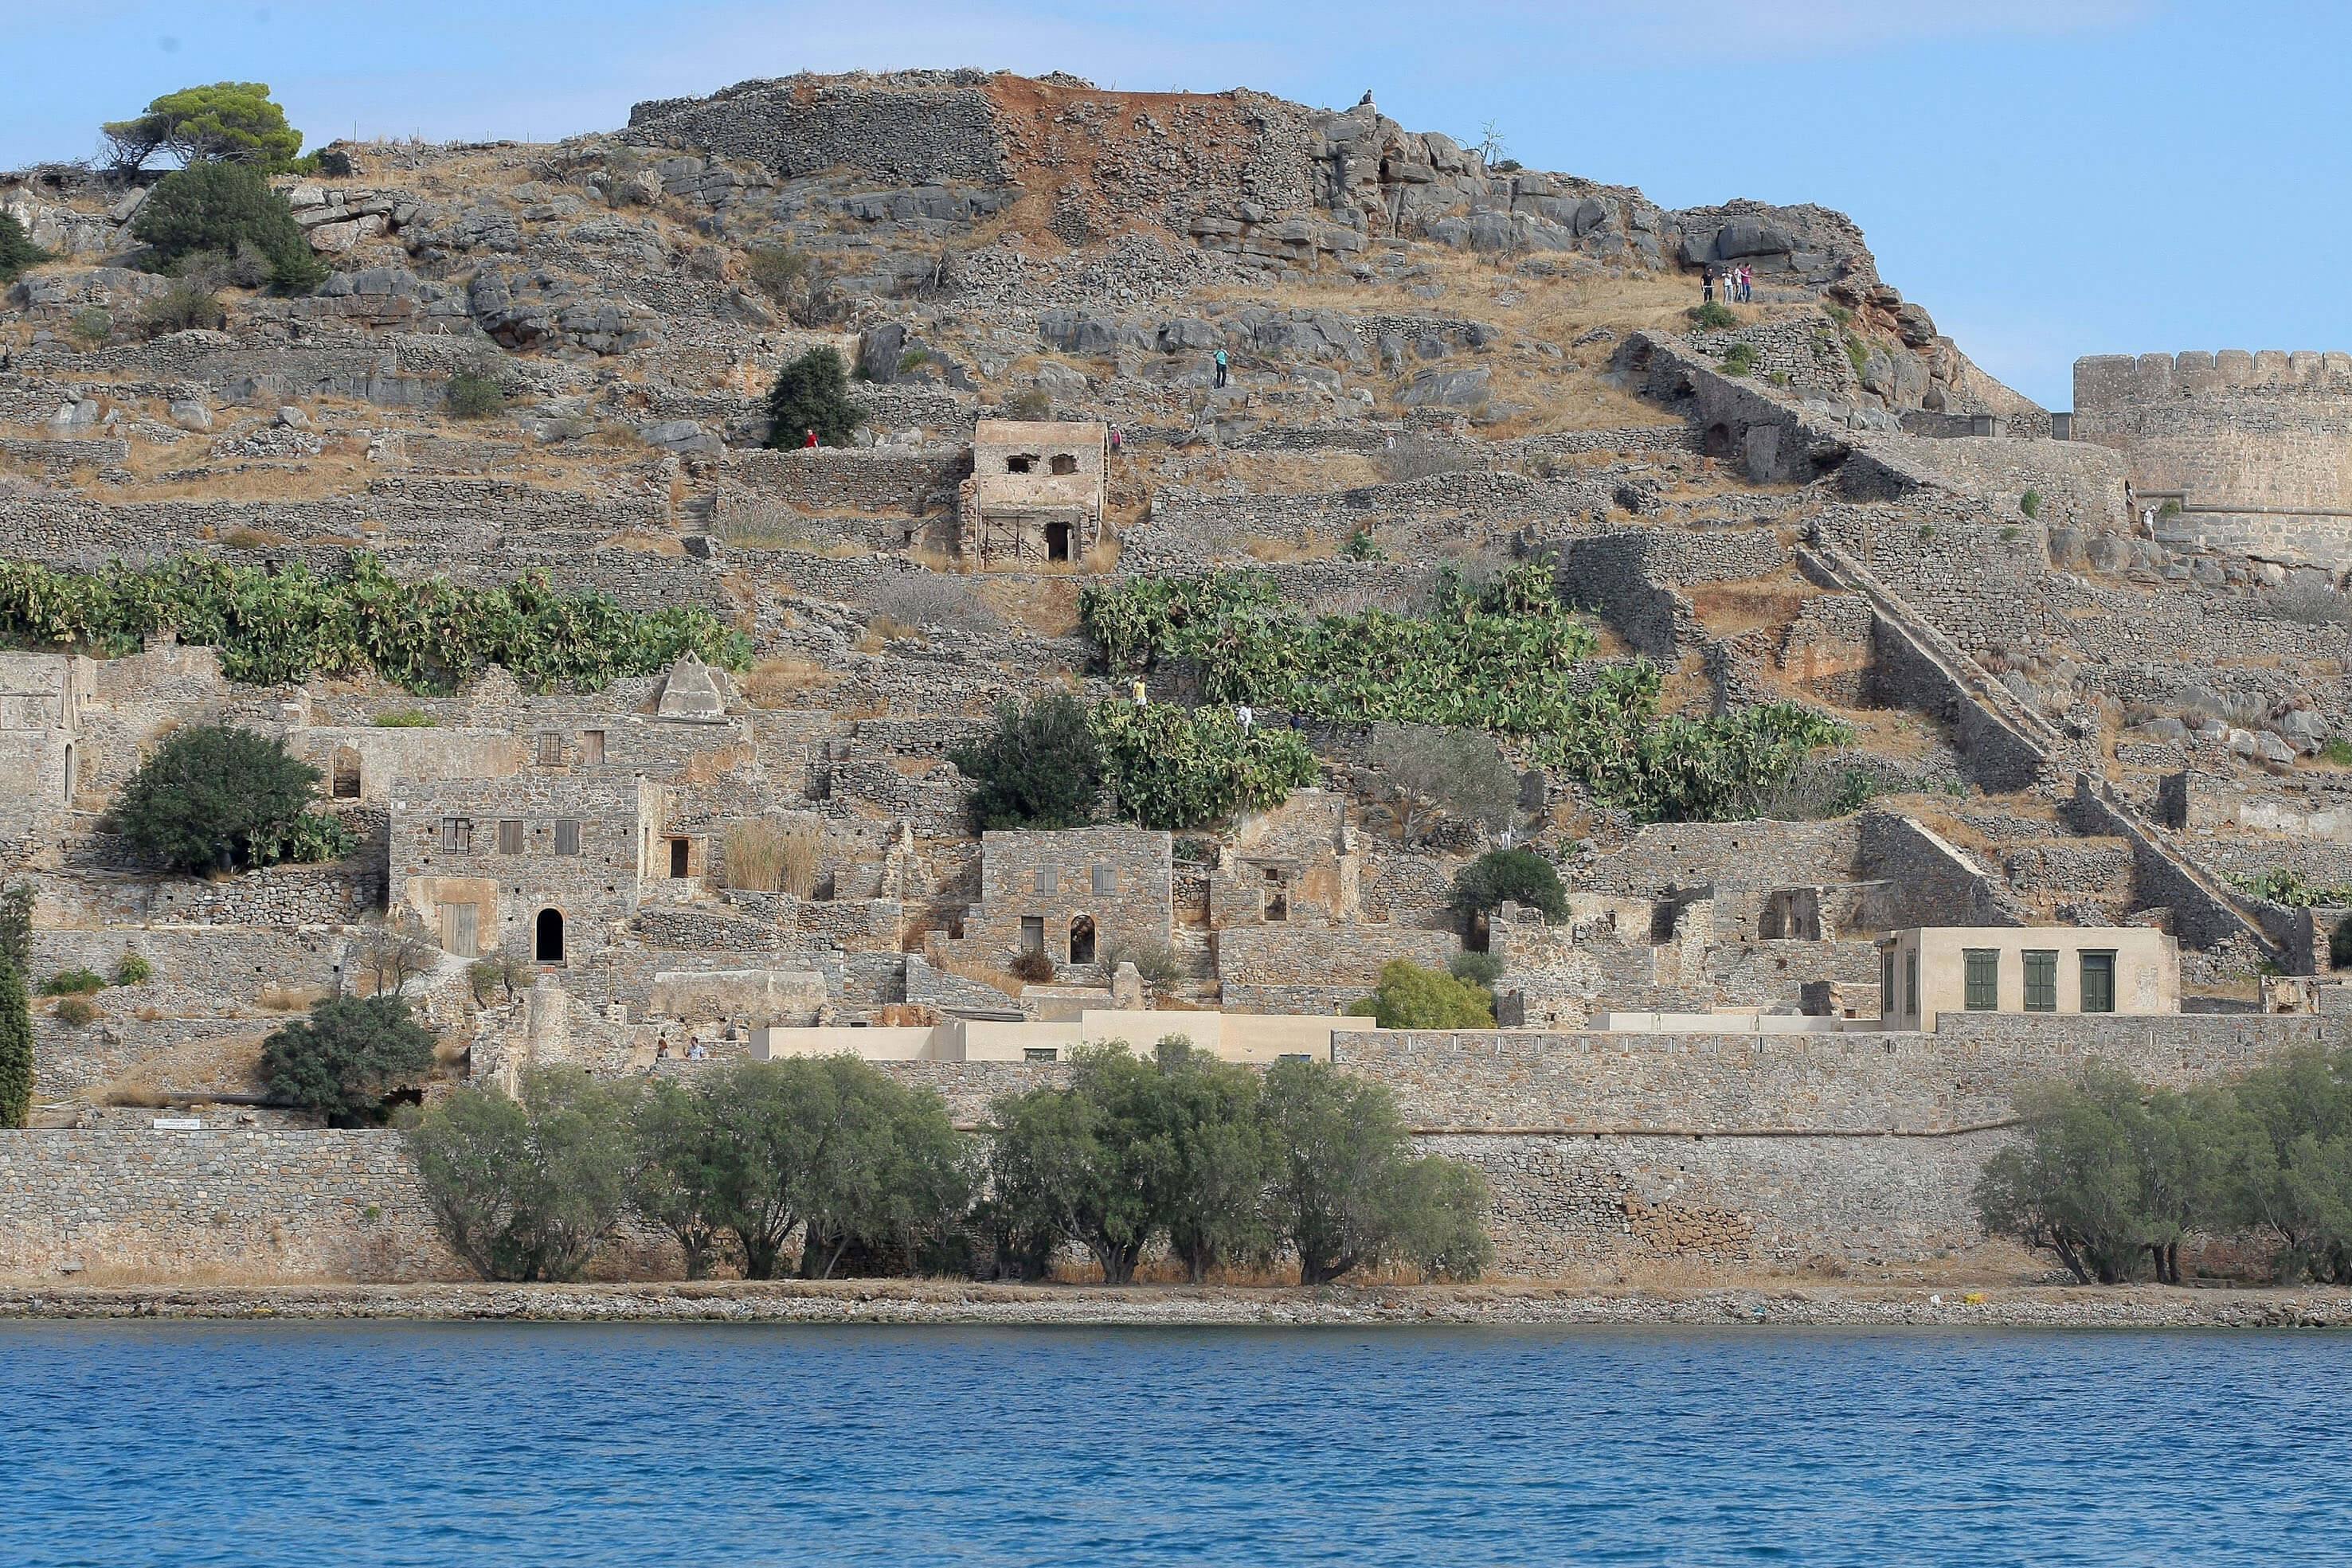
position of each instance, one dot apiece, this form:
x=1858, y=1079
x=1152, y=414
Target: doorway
x=547, y=937
x=1082, y=939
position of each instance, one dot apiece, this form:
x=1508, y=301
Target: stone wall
x=2256, y=430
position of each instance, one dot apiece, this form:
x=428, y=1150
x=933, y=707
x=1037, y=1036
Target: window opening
x=592, y=746
x=567, y=836
x=679, y=855
x=1106, y=882
x=1020, y=465
x=1983, y=980
x=1064, y=463
x=347, y=774
x=2099, y=982
x=1082, y=939
x=510, y=836
x=457, y=835
x=2041, y=982
x=1033, y=933
x=550, y=749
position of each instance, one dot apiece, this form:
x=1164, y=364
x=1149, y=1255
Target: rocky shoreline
x=912, y=1303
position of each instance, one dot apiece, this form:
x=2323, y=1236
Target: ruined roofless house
x=1036, y=492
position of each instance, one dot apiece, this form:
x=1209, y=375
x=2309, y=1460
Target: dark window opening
x=1019, y=465
x=69, y=773
x=1082, y=939
x=679, y=855
x=1277, y=907
x=1064, y=463
x=1718, y=440
x=347, y=773
x=1057, y=542
x=547, y=937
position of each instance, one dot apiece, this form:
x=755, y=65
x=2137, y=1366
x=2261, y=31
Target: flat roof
x=1018, y=432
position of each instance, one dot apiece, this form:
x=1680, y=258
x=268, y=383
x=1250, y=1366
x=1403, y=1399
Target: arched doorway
x=547, y=939
x=1082, y=939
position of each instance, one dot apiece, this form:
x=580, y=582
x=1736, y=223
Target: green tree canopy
x=1410, y=997
x=15, y=1045
x=210, y=209
x=1041, y=768
x=232, y=121
x=215, y=797
x=675, y=1181
x=1348, y=1192
x=342, y=1061
x=1510, y=877
x=527, y=1189
x=18, y=250
x=812, y=394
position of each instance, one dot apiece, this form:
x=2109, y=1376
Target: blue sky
x=2049, y=177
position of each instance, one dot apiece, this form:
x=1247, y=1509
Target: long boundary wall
x=1740, y=1149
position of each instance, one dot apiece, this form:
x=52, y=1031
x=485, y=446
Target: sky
x=2050, y=178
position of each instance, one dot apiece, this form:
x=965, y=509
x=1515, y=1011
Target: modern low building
x=1927, y=970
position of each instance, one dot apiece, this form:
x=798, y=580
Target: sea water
x=397, y=1443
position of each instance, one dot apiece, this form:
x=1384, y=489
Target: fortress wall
x=918, y=134
x=2268, y=429
x=1740, y=1150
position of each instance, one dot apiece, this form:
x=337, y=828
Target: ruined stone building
x=1036, y=492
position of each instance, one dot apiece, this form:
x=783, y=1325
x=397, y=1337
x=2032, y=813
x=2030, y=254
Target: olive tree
x=1348, y=1191
x=527, y=1188
x=213, y=797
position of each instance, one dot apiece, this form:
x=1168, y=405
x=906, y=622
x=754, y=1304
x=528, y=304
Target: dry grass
x=1047, y=606
x=288, y=999
x=225, y=1066
x=1728, y=609
x=980, y=974
x=644, y=543
x=774, y=857
x=1314, y=547
x=777, y=683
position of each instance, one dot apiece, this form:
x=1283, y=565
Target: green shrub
x=230, y=121
x=18, y=250
x=1041, y=768
x=1455, y=772
x=134, y=970
x=474, y=392
x=1857, y=353
x=1840, y=314
x=1479, y=969
x=404, y=719
x=529, y=1190
x=1510, y=877
x=183, y=307
x=343, y=1059
x=73, y=983
x=17, y=1071
x=215, y=797
x=2030, y=503
x=812, y=394
x=427, y=636
x=1410, y=997
x=1362, y=546
x=1030, y=404
x=2009, y=534
x=221, y=207
x=1927, y=531
x=89, y=327
x=1174, y=769
x=313, y=838
x=1739, y=359
x=1712, y=317
x=1777, y=378
x=2170, y=509
x=2337, y=751
x=79, y=1011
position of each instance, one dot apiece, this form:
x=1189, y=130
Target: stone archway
x=546, y=936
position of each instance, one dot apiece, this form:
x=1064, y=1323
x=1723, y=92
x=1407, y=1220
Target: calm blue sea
x=310, y=1444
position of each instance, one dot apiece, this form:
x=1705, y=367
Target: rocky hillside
x=1439, y=370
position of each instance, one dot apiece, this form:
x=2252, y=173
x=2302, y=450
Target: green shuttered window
x=2041, y=982
x=1983, y=980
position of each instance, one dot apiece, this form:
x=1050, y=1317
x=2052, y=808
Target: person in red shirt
x=811, y=439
